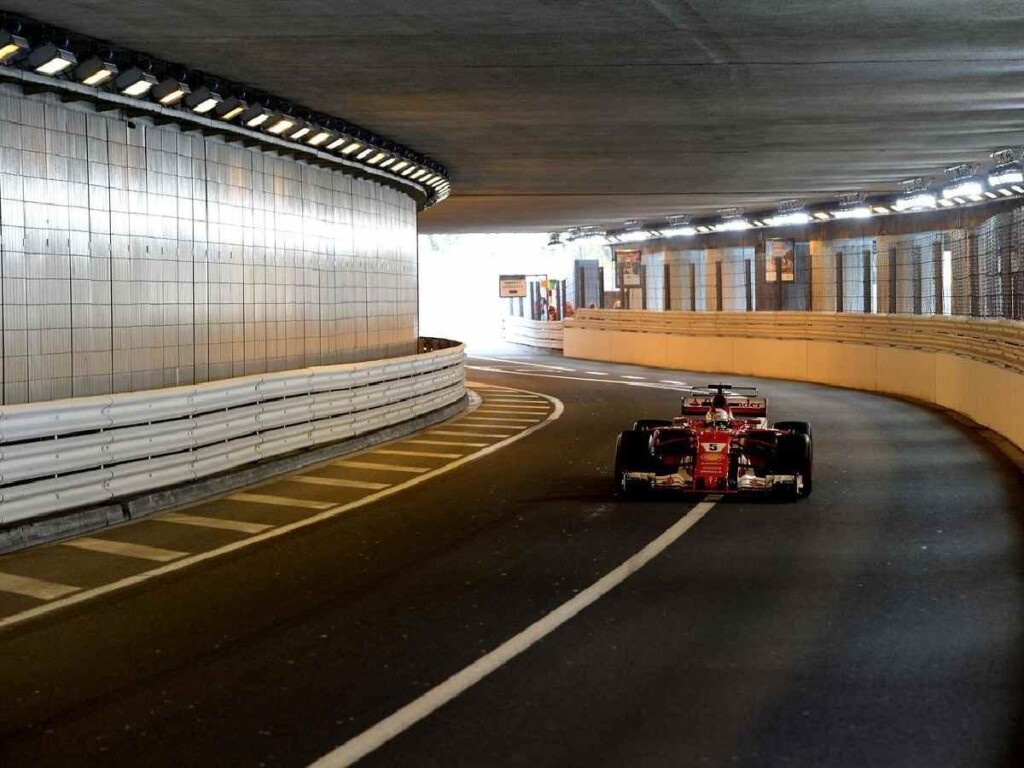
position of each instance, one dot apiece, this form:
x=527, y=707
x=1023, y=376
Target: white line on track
x=521, y=362
x=337, y=482
x=379, y=734
x=428, y=454
x=463, y=434
x=273, y=533
x=382, y=467
x=596, y=373
x=446, y=442
x=619, y=382
x=634, y=378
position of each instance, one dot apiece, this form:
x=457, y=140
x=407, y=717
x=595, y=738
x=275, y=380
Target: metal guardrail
x=533, y=333
x=63, y=454
x=993, y=341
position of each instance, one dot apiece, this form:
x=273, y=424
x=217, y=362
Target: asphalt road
x=879, y=622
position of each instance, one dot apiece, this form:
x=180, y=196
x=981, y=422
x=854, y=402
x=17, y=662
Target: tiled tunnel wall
x=136, y=256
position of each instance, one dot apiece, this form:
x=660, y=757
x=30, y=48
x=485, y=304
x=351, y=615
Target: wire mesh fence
x=973, y=272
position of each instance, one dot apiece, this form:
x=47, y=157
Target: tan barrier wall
x=974, y=367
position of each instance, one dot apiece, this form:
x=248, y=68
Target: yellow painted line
x=280, y=501
x=462, y=434
x=446, y=442
x=37, y=588
x=212, y=522
x=337, y=482
x=429, y=454
x=513, y=419
x=384, y=467
x=125, y=549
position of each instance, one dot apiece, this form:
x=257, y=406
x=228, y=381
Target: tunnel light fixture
x=202, y=100
x=134, y=83
x=279, y=123
x=400, y=165
x=50, y=59
x=365, y=153
x=229, y=108
x=351, y=147
x=682, y=230
x=11, y=45
x=991, y=195
x=169, y=92
x=1017, y=189
x=945, y=202
x=388, y=162
x=338, y=142
x=1005, y=192
x=1007, y=170
x=319, y=137
x=95, y=72
x=418, y=174
x=377, y=158
x=964, y=182
x=823, y=216
x=791, y=213
x=917, y=201
x=254, y=116
x=854, y=212
x=300, y=131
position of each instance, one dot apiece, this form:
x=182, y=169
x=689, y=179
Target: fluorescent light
x=299, y=133
x=787, y=219
x=822, y=216
x=351, y=148
x=11, y=45
x=991, y=195
x=963, y=188
x=230, y=108
x=1005, y=193
x=95, y=72
x=1018, y=190
x=170, y=92
x=365, y=153
x=733, y=225
x=280, y=124
x=377, y=158
x=418, y=174
x=946, y=203
x=400, y=165
x=134, y=83
x=255, y=116
x=202, y=100
x=337, y=143
x=880, y=209
x=679, y=232
x=409, y=170
x=318, y=138
x=858, y=212
x=915, y=201
x=1011, y=173
x=51, y=60
x=387, y=162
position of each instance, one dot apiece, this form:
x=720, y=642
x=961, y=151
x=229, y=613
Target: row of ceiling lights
x=100, y=71
x=964, y=187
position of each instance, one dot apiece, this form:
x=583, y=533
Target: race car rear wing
x=744, y=402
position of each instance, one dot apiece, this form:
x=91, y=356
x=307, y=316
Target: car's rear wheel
x=631, y=455
x=799, y=427
x=794, y=456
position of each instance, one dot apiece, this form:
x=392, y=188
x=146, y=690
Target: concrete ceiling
x=554, y=113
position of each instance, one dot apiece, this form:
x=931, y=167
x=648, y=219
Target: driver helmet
x=719, y=411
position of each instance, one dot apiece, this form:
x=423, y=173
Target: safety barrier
x=533, y=333
x=64, y=454
x=972, y=366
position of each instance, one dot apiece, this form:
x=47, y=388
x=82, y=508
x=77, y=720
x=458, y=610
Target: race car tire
x=631, y=455
x=799, y=427
x=649, y=424
x=794, y=455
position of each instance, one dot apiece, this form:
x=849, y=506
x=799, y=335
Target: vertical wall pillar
x=840, y=282
x=867, y=282
x=667, y=279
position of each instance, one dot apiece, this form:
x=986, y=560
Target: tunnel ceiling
x=555, y=113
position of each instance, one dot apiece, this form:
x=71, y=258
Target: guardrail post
x=667, y=278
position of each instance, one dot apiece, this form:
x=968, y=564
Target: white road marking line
x=379, y=734
x=596, y=373
x=635, y=378
x=516, y=419
x=336, y=482
x=673, y=381
x=620, y=382
x=280, y=501
x=125, y=549
x=533, y=410
x=447, y=442
x=462, y=434
x=37, y=588
x=504, y=399
x=518, y=362
x=211, y=522
x=383, y=467
x=283, y=530
x=430, y=454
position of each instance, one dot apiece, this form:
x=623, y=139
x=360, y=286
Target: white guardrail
x=533, y=333
x=64, y=454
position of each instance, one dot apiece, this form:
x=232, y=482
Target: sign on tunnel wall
x=511, y=286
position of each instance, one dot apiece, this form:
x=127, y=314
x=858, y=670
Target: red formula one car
x=721, y=443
